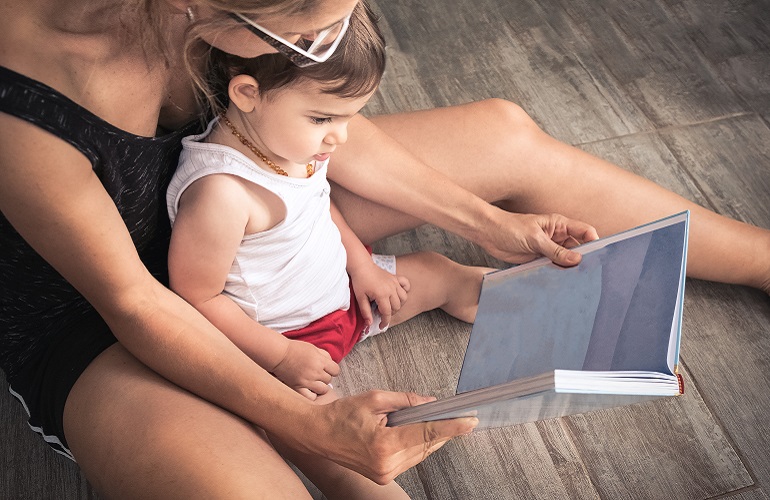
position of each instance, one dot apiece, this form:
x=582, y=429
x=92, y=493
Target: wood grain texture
x=748, y=494
x=536, y=63
x=668, y=448
x=730, y=161
x=735, y=37
x=675, y=90
x=727, y=351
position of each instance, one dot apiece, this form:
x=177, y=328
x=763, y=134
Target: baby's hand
x=306, y=369
x=388, y=291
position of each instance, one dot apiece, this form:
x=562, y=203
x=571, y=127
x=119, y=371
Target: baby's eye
x=320, y=121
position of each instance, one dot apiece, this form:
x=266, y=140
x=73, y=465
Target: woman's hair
x=354, y=70
x=154, y=19
x=154, y=28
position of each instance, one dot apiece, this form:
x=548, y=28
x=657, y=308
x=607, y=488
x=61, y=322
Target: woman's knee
x=507, y=115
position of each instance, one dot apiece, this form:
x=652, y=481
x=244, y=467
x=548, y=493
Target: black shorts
x=44, y=382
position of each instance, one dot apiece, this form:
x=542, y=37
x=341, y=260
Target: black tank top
x=36, y=302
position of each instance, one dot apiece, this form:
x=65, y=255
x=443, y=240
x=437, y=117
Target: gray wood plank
x=661, y=68
x=735, y=36
x=723, y=29
x=648, y=450
x=574, y=65
x=535, y=63
x=730, y=161
x=748, y=494
x=727, y=350
x=749, y=77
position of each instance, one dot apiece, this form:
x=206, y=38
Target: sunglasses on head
x=308, y=50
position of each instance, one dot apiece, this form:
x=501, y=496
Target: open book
x=550, y=341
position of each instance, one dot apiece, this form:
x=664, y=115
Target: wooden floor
x=676, y=90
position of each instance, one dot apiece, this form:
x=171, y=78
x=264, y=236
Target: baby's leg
x=336, y=481
x=438, y=282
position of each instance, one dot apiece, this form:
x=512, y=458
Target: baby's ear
x=244, y=92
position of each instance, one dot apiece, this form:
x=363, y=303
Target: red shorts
x=336, y=333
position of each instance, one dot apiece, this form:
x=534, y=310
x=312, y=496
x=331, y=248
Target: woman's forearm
x=378, y=168
x=174, y=339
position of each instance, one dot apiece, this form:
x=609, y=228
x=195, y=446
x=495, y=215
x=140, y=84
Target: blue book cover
x=551, y=341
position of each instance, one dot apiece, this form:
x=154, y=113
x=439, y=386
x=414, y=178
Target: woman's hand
x=352, y=432
x=306, y=369
x=520, y=238
x=373, y=284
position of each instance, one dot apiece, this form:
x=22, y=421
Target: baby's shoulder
x=216, y=191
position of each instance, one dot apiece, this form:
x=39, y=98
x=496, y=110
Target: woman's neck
x=81, y=29
x=77, y=17
x=84, y=17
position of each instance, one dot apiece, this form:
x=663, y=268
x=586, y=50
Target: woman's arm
x=378, y=168
x=213, y=215
x=50, y=194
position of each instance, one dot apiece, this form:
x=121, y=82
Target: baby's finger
x=396, y=301
x=404, y=282
x=402, y=293
x=319, y=387
x=307, y=393
x=386, y=311
x=331, y=368
x=366, y=309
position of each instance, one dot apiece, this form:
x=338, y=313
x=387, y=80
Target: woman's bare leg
x=495, y=150
x=136, y=435
x=335, y=481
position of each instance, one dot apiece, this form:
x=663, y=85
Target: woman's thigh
x=136, y=435
x=495, y=150
x=472, y=144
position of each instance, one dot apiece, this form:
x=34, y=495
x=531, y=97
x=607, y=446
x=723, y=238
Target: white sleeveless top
x=292, y=274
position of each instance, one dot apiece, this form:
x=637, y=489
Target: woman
x=170, y=409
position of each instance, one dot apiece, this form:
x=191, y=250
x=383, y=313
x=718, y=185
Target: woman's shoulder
x=93, y=67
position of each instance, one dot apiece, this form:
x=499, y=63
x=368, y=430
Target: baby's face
x=301, y=123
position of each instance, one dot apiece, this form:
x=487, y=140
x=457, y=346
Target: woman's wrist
x=476, y=222
x=300, y=425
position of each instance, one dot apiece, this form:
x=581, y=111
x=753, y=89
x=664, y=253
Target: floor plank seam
x=725, y=430
x=673, y=127
x=739, y=491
